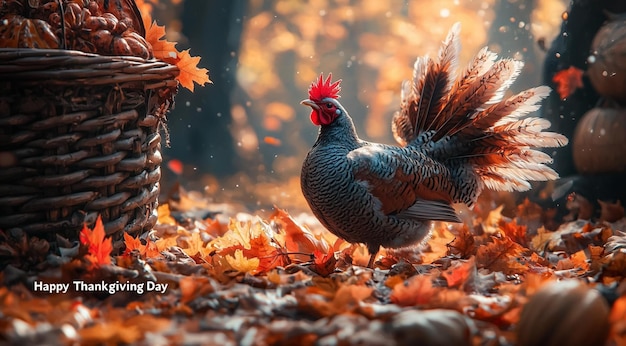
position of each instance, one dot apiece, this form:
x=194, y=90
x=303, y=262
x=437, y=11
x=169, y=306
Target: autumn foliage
x=166, y=51
x=568, y=81
x=98, y=246
x=285, y=277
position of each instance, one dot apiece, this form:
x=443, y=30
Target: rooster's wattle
x=456, y=137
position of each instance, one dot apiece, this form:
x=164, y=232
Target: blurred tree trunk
x=200, y=122
x=572, y=47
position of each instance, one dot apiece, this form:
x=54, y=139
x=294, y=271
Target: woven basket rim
x=69, y=66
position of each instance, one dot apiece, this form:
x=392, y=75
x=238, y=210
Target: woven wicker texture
x=79, y=136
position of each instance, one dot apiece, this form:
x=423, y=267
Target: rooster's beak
x=310, y=103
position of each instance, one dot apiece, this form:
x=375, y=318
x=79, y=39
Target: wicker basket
x=79, y=137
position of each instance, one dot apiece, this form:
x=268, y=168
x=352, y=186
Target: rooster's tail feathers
x=424, y=97
x=492, y=135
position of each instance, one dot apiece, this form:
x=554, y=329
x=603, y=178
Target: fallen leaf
x=241, y=263
x=611, y=212
x=297, y=238
x=502, y=254
x=324, y=263
x=618, y=321
x=99, y=247
x=418, y=291
x=513, y=231
x=164, y=216
x=131, y=244
x=463, y=243
x=461, y=274
x=438, y=243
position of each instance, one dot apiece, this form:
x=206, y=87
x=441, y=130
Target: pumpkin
x=600, y=141
x=20, y=32
x=607, y=65
x=137, y=44
x=430, y=327
x=564, y=313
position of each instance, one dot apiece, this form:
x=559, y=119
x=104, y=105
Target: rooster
x=456, y=137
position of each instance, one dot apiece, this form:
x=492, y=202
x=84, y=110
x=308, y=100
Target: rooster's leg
x=373, y=250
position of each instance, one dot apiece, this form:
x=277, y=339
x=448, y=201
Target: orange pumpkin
x=607, y=65
x=22, y=32
x=600, y=141
x=564, y=313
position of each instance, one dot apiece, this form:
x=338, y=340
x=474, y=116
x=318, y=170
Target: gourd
x=564, y=313
x=599, y=144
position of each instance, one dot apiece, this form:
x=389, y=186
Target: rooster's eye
x=329, y=105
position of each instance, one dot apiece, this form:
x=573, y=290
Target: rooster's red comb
x=324, y=88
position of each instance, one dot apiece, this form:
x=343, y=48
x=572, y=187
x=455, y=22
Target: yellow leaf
x=164, y=215
x=241, y=263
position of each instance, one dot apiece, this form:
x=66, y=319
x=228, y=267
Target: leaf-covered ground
x=206, y=279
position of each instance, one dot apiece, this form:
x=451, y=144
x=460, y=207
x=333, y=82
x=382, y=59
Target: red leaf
x=175, y=166
x=98, y=246
x=131, y=244
x=459, y=275
x=267, y=252
x=503, y=255
x=324, y=264
x=567, y=81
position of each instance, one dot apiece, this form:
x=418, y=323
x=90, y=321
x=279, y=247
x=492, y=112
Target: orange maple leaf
x=345, y=299
x=150, y=250
x=189, y=71
x=260, y=247
x=567, y=81
x=513, y=231
x=267, y=252
x=166, y=51
x=298, y=238
x=131, y=244
x=463, y=244
x=324, y=263
x=460, y=274
x=503, y=255
x=161, y=48
x=99, y=247
x=418, y=291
